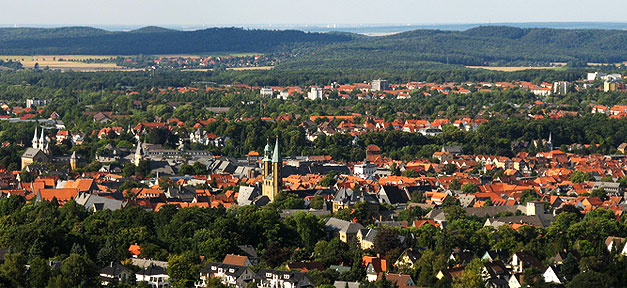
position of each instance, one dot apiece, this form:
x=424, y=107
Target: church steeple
x=35, y=140
x=138, y=153
x=276, y=155
x=42, y=140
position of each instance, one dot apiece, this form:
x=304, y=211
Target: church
x=39, y=152
x=272, y=166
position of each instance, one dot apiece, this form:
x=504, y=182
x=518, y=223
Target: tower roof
x=35, y=135
x=276, y=156
x=267, y=151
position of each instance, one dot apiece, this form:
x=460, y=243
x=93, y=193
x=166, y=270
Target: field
x=510, y=69
x=250, y=68
x=66, y=62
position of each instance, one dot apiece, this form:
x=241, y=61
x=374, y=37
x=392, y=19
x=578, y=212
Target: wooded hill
x=488, y=45
x=152, y=40
x=419, y=49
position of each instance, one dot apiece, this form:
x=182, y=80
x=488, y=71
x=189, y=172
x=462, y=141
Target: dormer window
x=268, y=275
x=213, y=268
x=231, y=270
x=286, y=276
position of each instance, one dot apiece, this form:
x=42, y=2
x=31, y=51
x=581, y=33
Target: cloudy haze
x=319, y=12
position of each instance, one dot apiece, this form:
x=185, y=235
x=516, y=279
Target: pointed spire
x=276, y=156
x=42, y=140
x=73, y=155
x=550, y=137
x=35, y=139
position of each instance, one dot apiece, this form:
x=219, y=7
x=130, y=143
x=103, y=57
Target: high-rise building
x=380, y=85
x=315, y=93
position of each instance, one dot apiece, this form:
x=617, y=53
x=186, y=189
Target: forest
x=84, y=242
x=419, y=49
x=91, y=41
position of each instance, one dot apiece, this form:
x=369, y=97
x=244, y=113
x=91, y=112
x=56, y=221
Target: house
x=616, y=243
x=236, y=260
x=408, y=259
x=288, y=279
x=392, y=195
x=551, y=275
x=493, y=255
x=375, y=266
x=450, y=273
x=344, y=284
x=344, y=229
x=366, y=238
x=230, y=275
x=115, y=273
x=305, y=267
x=155, y=276
x=400, y=280
x=522, y=260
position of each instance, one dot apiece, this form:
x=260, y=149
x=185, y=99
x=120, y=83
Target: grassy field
x=510, y=69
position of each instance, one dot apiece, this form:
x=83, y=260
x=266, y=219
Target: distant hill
x=417, y=49
x=152, y=40
x=494, y=45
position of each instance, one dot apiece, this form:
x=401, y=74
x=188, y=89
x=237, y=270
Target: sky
x=303, y=12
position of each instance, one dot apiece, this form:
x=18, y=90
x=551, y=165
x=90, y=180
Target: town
x=237, y=185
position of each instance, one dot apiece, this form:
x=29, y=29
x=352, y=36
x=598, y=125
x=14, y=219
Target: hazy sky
x=249, y=12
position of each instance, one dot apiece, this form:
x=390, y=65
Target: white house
x=550, y=276
x=155, y=276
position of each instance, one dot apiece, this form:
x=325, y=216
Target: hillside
x=152, y=40
x=479, y=46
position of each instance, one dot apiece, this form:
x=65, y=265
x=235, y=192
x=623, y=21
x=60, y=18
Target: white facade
x=266, y=92
x=315, y=93
x=364, y=170
x=550, y=276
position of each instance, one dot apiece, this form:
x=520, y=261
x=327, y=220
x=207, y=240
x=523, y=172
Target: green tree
x=39, y=272
x=14, y=269
x=471, y=276
x=183, y=269
x=470, y=188
x=78, y=271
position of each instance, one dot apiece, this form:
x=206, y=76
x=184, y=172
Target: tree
x=410, y=173
x=470, y=188
x=309, y=228
x=78, y=271
x=580, y=177
x=601, y=193
x=386, y=240
x=328, y=180
x=39, y=272
x=183, y=269
x=528, y=195
x=449, y=168
x=14, y=269
x=316, y=203
x=591, y=279
x=471, y=276
x=455, y=184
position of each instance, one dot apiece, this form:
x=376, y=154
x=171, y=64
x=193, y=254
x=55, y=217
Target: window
x=213, y=268
x=268, y=275
x=231, y=270
x=286, y=276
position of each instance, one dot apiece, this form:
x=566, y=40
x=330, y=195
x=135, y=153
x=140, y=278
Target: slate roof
x=338, y=225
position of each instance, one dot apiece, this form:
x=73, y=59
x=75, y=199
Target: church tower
x=272, y=177
x=138, y=153
x=73, y=161
x=42, y=141
x=35, y=140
